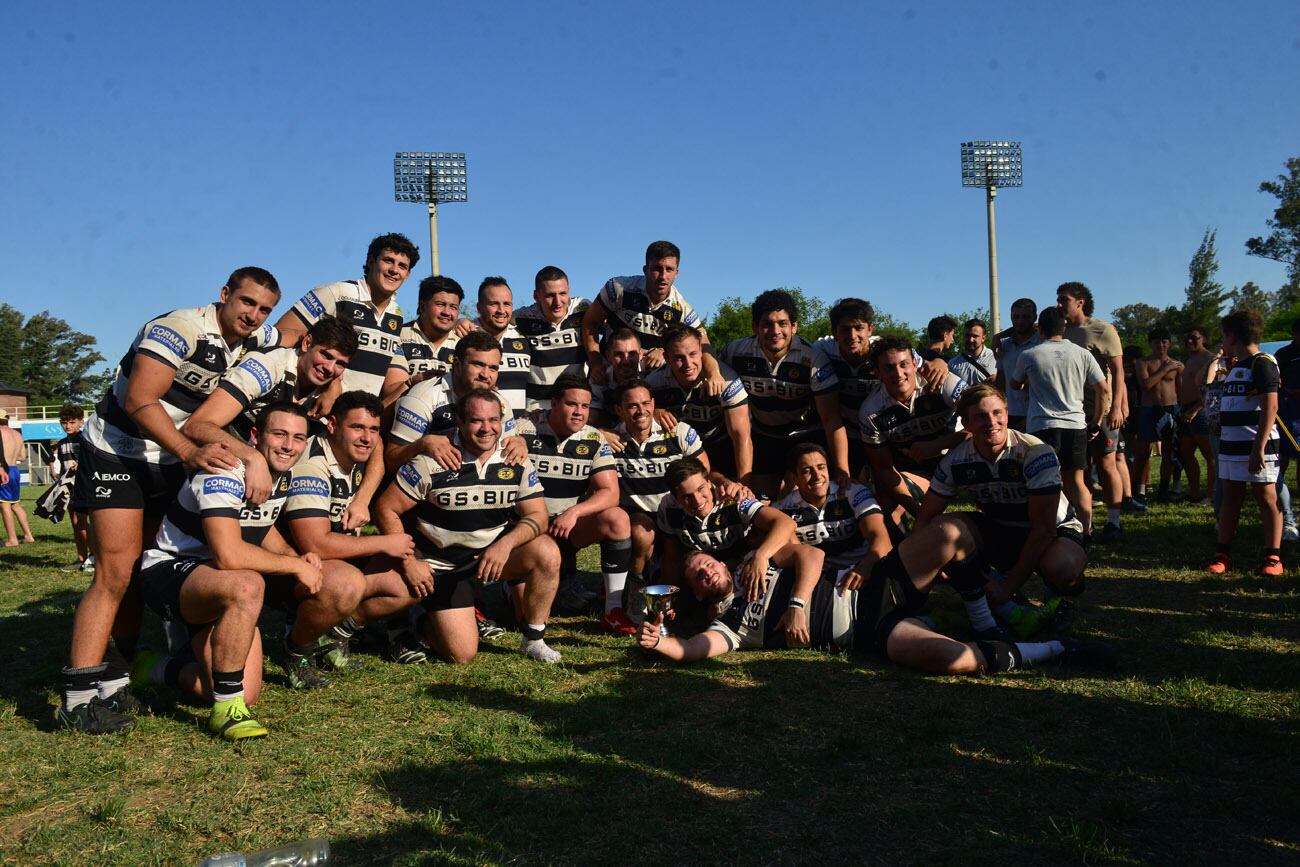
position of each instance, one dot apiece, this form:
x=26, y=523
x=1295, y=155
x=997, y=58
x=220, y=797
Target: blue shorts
x=1148, y=419
x=11, y=490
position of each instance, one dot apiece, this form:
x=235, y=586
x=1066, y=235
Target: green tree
x=59, y=364
x=734, y=319
x=11, y=345
x=1282, y=244
x=1249, y=296
x=1205, y=296
x=1134, y=321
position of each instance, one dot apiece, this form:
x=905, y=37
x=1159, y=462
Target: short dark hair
x=970, y=323
x=889, y=343
x=462, y=402
x=1024, y=302
x=546, y=275
x=569, y=381
x=1194, y=329
x=774, y=301
x=477, y=340
x=394, y=241
x=1246, y=325
x=71, y=412
x=850, y=309
x=662, y=250
x=285, y=406
x=490, y=281
x=334, y=333
x=357, y=399
x=1132, y=352
x=634, y=382
x=1051, y=321
x=431, y=286
x=1159, y=332
x=678, y=333
x=937, y=327
x=805, y=448
x=1079, y=292
x=680, y=471
x=623, y=333
x=972, y=396
x=260, y=276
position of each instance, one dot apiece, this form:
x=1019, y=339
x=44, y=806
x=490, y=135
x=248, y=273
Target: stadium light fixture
x=991, y=164
x=430, y=177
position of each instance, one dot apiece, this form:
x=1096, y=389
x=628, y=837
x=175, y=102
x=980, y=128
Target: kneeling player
x=484, y=520
x=206, y=572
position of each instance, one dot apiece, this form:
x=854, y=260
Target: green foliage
x=1283, y=243
x=1278, y=326
x=47, y=357
x=1134, y=321
x=733, y=319
x=1205, y=296
x=1250, y=296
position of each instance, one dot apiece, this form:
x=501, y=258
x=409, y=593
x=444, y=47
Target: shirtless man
x=1193, y=429
x=1158, y=376
x=11, y=441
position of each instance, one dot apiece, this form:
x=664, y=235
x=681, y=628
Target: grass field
x=1186, y=754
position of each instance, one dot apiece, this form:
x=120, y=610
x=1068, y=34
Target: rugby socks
x=967, y=579
x=227, y=685
x=1041, y=651
x=80, y=685
x=1000, y=656
x=534, y=631
x=615, y=559
x=345, y=630
x=1112, y=515
x=1140, y=490
x=117, y=672
x=1004, y=610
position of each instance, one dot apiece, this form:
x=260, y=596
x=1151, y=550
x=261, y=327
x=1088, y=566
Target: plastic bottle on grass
x=303, y=853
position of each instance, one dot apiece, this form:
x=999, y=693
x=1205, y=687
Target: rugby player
x=681, y=396
x=939, y=332
x=322, y=487
x=580, y=480
x=552, y=324
x=744, y=533
x=905, y=426
x=496, y=316
x=205, y=571
x=624, y=361
x=133, y=461
x=885, y=616
x=484, y=520
x=1023, y=523
x=297, y=374
x=429, y=340
x=67, y=453
x=792, y=391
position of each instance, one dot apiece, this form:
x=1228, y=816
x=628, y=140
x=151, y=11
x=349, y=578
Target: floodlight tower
x=991, y=164
x=430, y=177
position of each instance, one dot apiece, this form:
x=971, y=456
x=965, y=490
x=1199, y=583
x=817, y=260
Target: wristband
x=796, y=602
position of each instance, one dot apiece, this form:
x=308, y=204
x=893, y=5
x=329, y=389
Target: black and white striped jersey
x=566, y=466
x=781, y=394
x=1001, y=488
x=419, y=355
x=188, y=340
x=834, y=528
x=689, y=404
x=628, y=304
x=319, y=487
x=378, y=332
x=722, y=532
x=429, y=407
x=460, y=512
x=888, y=424
x=512, y=379
x=857, y=382
x=214, y=495
x=555, y=349
x=1239, y=409
x=262, y=378
x=747, y=625
x=68, y=452
x=643, y=467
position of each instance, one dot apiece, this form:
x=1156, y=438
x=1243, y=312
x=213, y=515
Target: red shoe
x=1272, y=565
x=1220, y=564
x=617, y=622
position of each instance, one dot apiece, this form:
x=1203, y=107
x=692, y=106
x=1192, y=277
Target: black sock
x=615, y=555
x=115, y=664
x=1273, y=552
x=999, y=656
x=80, y=685
x=172, y=670
x=532, y=633
x=1223, y=548
x=227, y=685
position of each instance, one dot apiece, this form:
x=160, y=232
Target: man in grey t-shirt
x=1021, y=336
x=1056, y=373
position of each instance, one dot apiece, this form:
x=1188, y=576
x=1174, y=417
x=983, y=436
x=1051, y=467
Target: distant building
x=14, y=400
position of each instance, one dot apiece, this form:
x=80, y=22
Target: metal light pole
x=430, y=177
x=991, y=164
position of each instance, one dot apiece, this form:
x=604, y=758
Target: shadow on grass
x=732, y=762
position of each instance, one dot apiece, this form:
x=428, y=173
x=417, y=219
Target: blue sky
x=150, y=149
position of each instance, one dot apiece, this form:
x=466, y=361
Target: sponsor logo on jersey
x=825, y=372
x=223, y=485
x=258, y=372
x=412, y=420
x=163, y=335
x=1040, y=463
x=313, y=305
x=733, y=389
x=747, y=505
x=861, y=495
x=103, y=493
x=691, y=436
x=309, y=486
x=532, y=479
x=111, y=477
x=267, y=333
x=409, y=474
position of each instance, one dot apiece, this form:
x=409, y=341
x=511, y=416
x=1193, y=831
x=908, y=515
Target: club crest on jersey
x=582, y=450
x=517, y=345
x=223, y=485
x=506, y=474
x=169, y=338
x=357, y=475
x=393, y=324
x=659, y=449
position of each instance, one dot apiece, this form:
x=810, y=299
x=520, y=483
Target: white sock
x=614, y=584
x=1042, y=651
x=977, y=610
x=109, y=688
x=1112, y=515
x=76, y=697
x=1141, y=490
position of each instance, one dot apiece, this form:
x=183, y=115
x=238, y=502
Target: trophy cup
x=658, y=600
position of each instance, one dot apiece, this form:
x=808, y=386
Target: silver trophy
x=659, y=600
